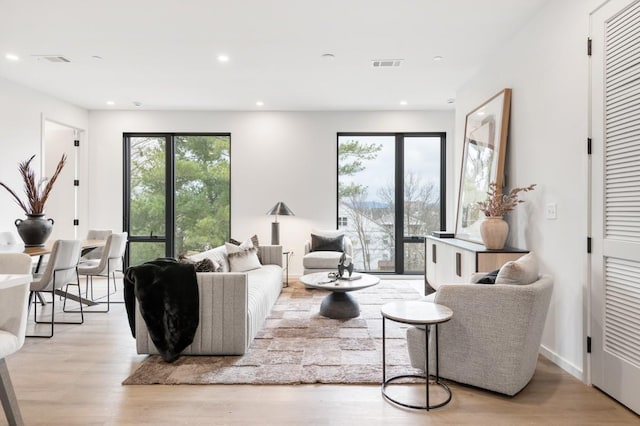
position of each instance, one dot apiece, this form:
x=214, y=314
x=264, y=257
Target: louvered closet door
x=615, y=275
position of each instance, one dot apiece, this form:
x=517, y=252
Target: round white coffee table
x=426, y=314
x=339, y=303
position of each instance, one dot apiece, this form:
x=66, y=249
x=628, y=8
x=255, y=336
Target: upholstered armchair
x=323, y=250
x=493, y=338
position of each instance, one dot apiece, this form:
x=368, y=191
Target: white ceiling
x=163, y=53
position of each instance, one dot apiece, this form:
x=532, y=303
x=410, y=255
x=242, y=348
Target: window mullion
x=170, y=196
x=399, y=213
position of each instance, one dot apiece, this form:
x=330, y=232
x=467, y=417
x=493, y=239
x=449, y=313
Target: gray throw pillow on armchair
x=322, y=243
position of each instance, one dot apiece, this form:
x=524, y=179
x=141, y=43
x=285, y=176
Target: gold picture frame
x=485, y=143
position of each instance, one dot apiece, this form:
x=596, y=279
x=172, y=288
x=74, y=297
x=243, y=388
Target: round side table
x=426, y=314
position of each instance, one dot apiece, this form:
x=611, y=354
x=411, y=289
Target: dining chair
x=94, y=253
x=13, y=323
x=111, y=260
x=61, y=269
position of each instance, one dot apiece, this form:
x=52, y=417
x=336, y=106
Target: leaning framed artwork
x=485, y=143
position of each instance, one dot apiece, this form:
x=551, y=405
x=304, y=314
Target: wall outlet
x=552, y=211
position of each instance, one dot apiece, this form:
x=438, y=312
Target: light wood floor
x=74, y=379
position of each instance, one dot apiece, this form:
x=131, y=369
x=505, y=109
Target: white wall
x=547, y=67
x=21, y=125
x=275, y=156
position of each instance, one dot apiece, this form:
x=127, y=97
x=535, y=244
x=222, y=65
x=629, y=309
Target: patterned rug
x=297, y=345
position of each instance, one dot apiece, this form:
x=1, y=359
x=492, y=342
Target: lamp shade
x=280, y=209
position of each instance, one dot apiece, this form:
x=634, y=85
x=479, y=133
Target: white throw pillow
x=521, y=271
x=217, y=255
x=242, y=258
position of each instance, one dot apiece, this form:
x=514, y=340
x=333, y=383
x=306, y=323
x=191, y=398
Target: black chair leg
x=53, y=311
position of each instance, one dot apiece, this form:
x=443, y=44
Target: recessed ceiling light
x=259, y=103
x=328, y=56
x=137, y=103
x=98, y=57
x=403, y=103
x=223, y=58
x=12, y=57
x=437, y=58
x=450, y=100
x=110, y=103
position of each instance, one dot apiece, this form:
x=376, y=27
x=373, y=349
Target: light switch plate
x=552, y=211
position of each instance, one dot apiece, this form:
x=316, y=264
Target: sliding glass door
x=390, y=197
x=422, y=195
x=177, y=193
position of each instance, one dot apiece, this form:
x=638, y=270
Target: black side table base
x=415, y=407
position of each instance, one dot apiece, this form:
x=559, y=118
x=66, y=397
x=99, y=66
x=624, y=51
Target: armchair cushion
x=521, y=271
x=323, y=260
x=321, y=243
x=489, y=278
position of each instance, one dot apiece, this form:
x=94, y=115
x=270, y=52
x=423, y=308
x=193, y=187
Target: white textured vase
x=494, y=231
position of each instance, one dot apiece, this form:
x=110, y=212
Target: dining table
x=42, y=251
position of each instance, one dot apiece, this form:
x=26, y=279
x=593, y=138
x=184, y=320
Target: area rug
x=297, y=345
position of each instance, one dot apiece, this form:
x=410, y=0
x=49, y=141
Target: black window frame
x=399, y=190
x=168, y=238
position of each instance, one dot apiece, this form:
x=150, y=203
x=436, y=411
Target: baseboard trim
x=561, y=362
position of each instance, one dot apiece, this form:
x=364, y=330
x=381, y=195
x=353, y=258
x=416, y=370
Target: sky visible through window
x=418, y=160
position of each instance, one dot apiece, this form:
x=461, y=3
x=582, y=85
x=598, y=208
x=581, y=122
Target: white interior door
x=615, y=207
x=62, y=204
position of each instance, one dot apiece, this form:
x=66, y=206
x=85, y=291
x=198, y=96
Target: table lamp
x=279, y=209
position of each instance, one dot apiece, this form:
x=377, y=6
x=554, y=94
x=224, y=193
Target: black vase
x=34, y=230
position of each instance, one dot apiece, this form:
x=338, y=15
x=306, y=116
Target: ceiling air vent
x=52, y=58
x=386, y=63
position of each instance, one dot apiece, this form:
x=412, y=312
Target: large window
x=177, y=193
x=391, y=194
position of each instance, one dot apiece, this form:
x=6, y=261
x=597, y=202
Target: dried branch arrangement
x=498, y=204
x=37, y=192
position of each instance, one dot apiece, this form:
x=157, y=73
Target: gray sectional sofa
x=233, y=306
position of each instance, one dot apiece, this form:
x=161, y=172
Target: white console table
x=450, y=260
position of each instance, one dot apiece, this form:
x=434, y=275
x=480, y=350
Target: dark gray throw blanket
x=167, y=293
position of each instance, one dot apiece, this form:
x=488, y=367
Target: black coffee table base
x=339, y=305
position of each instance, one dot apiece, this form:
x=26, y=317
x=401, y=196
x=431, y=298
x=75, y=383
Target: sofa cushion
x=242, y=258
x=217, y=255
x=322, y=243
x=203, y=265
x=254, y=240
x=519, y=272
